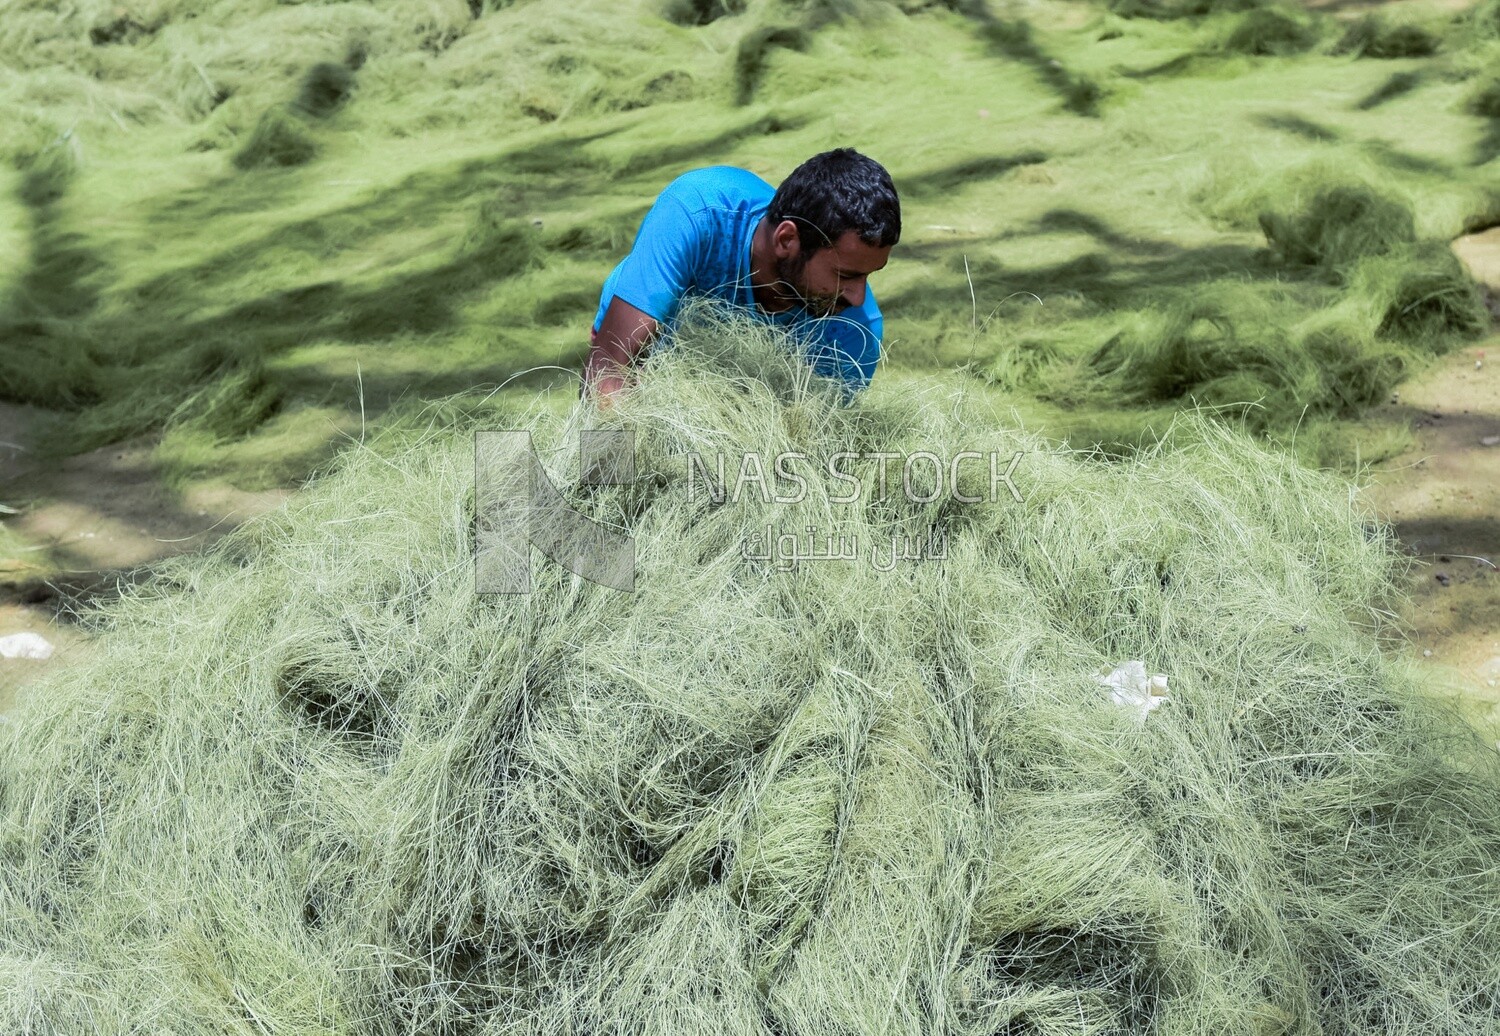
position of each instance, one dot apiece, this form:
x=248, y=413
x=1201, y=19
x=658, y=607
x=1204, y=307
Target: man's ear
x=784, y=240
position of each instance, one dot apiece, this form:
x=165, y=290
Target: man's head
x=833, y=222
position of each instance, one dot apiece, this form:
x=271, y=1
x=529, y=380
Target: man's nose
x=854, y=293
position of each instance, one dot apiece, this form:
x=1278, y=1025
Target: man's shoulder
x=719, y=186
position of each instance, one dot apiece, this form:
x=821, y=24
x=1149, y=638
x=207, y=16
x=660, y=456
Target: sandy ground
x=87, y=521
x=1443, y=498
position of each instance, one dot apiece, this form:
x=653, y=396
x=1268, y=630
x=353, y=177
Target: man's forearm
x=622, y=337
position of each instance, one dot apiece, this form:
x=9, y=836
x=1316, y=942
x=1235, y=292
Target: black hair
x=838, y=191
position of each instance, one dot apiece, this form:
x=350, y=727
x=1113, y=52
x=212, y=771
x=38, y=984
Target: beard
x=789, y=276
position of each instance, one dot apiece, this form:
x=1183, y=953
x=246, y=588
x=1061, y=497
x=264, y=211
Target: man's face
x=832, y=279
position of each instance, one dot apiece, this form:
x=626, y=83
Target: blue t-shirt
x=696, y=239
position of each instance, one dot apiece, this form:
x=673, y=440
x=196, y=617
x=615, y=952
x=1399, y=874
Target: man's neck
x=763, y=281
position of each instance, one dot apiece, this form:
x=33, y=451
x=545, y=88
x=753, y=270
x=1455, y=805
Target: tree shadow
x=1445, y=536
x=1462, y=551
x=1398, y=85
x=42, y=359
x=424, y=301
x=1149, y=269
x=1015, y=41
x=664, y=156
x=1289, y=122
x=165, y=340
x=425, y=198
x=1488, y=145
x=1076, y=222
x=1180, y=65
x=1382, y=151
x=560, y=156
x=1397, y=159
x=1340, y=6
x=940, y=250
x=936, y=182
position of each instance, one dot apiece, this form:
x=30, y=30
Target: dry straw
x=313, y=784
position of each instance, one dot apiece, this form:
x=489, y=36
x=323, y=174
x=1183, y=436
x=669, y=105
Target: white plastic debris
x=25, y=645
x=1130, y=688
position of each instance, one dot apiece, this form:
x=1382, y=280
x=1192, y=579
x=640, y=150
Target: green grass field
x=244, y=225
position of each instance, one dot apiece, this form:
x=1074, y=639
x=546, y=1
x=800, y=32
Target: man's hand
x=606, y=385
x=622, y=337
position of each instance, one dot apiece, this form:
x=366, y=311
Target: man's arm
x=660, y=268
x=623, y=335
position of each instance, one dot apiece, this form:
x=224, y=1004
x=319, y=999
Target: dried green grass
x=1339, y=225
x=1216, y=351
x=701, y=12
x=324, y=89
x=280, y=139
x=1270, y=31
x=1378, y=36
x=1423, y=295
x=754, y=50
x=311, y=783
x=1484, y=99
x=1171, y=9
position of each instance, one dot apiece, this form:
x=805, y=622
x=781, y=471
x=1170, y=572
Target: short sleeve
x=661, y=264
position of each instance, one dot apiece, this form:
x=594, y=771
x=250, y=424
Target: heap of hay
x=1339, y=225
x=1375, y=36
x=1267, y=31
x=314, y=784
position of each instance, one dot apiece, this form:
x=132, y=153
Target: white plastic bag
x=25, y=645
x=1130, y=688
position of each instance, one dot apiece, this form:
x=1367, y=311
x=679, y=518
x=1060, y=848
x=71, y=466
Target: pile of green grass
x=1384, y=301
x=1418, y=291
x=1376, y=36
x=313, y=784
x=1169, y=9
x=1339, y=225
x=1268, y=31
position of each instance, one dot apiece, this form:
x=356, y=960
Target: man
x=798, y=257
